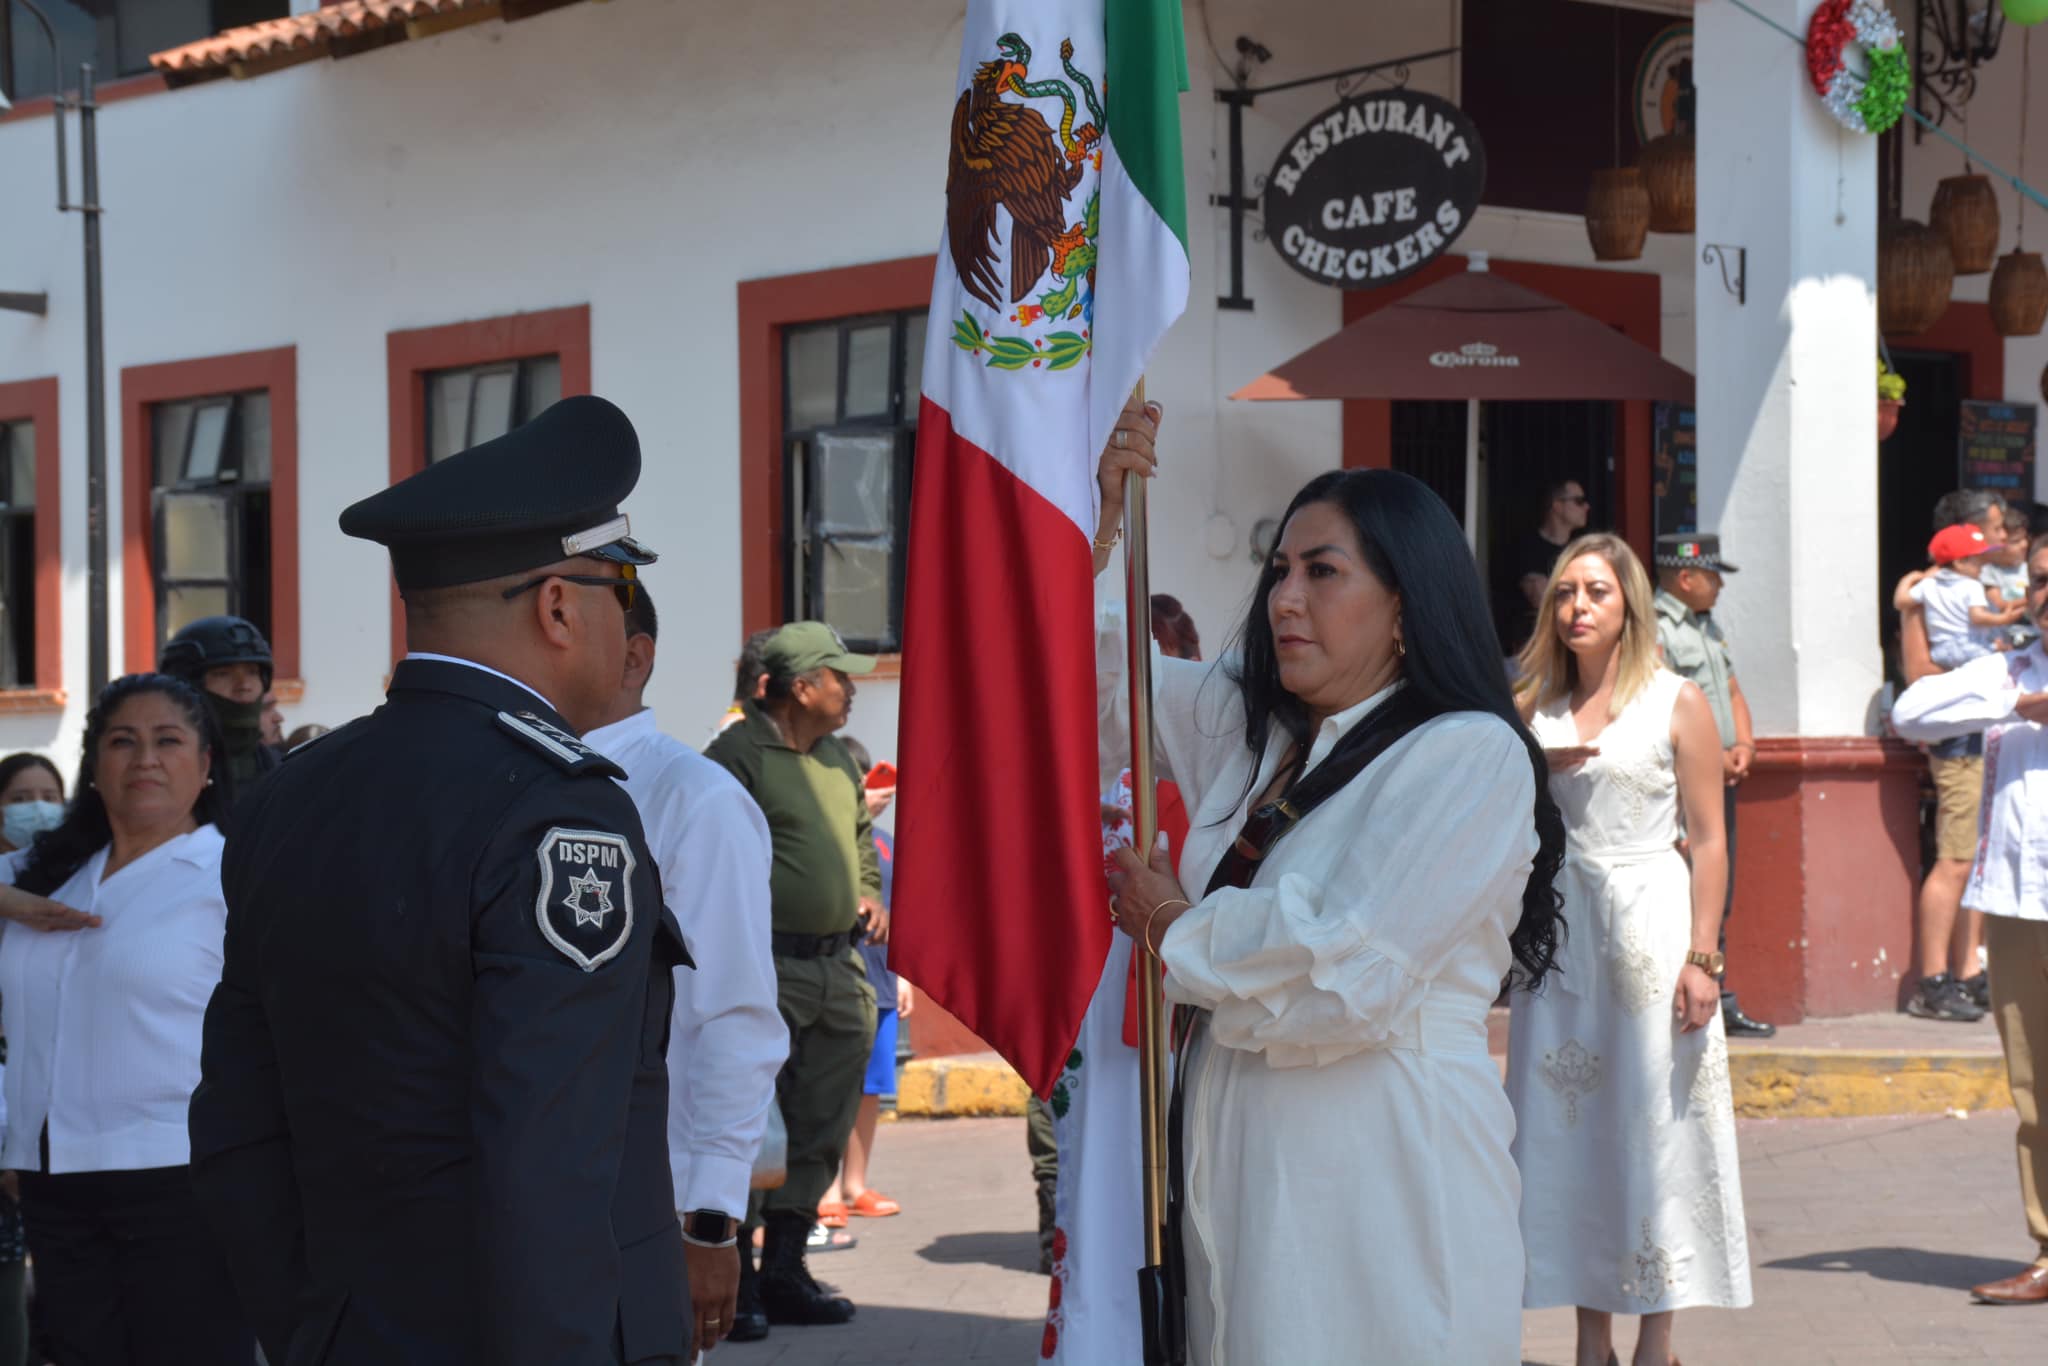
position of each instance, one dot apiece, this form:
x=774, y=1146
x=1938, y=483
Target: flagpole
x=1160, y=1313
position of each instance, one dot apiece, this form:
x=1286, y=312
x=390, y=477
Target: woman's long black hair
x=59, y=853
x=1413, y=545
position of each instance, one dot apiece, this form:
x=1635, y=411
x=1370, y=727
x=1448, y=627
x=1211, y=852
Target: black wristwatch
x=710, y=1227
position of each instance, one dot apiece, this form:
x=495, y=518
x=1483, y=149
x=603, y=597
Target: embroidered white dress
x=1350, y=1193
x=1625, y=1130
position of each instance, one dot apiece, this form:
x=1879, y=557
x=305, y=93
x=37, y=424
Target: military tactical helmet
x=213, y=641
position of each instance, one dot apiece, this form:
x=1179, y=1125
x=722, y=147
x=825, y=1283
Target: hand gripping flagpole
x=1158, y=1301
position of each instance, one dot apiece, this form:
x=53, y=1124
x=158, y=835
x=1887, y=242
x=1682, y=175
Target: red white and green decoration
x=1866, y=100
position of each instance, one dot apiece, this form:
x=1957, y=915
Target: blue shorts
x=881, y=1078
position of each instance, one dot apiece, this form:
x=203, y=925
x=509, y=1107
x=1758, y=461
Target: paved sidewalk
x=1864, y=1234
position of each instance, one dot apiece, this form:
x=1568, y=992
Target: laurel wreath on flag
x=1865, y=105
x=1059, y=351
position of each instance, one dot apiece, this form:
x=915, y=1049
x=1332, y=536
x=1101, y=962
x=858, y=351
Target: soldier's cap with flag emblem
x=803, y=646
x=541, y=493
x=1692, y=550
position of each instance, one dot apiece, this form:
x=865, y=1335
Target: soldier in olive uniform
x=1689, y=570
x=826, y=886
x=432, y=1121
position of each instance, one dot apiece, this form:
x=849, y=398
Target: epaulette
x=558, y=744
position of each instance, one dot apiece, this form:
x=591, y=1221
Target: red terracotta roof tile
x=304, y=36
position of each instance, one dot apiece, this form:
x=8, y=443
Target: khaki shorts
x=1958, y=789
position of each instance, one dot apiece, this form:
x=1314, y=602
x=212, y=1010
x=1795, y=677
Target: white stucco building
x=721, y=216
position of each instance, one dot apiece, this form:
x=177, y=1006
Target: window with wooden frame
x=210, y=505
x=210, y=501
x=849, y=428
x=17, y=555
x=472, y=404
x=31, y=563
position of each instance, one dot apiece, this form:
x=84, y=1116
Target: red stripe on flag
x=999, y=909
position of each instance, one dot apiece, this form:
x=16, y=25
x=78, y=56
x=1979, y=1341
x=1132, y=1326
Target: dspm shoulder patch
x=558, y=744
x=585, y=906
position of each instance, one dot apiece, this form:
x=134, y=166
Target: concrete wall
x=644, y=157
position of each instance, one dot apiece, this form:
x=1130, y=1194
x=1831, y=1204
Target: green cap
x=803, y=646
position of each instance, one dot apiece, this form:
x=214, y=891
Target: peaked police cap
x=541, y=493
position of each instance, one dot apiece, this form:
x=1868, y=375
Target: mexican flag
x=1064, y=260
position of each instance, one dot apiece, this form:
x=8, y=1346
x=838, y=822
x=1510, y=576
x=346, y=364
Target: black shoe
x=1979, y=988
x=1942, y=997
x=788, y=1293
x=749, y=1321
x=1740, y=1026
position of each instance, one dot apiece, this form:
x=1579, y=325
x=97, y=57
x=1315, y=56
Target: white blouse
x=103, y=1025
x=2010, y=876
x=1352, y=923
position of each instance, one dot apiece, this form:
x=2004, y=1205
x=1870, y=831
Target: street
x=1864, y=1234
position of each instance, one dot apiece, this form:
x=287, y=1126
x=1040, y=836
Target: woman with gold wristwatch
x=1625, y=1129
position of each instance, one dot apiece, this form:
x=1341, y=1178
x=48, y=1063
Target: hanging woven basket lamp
x=1965, y=211
x=1914, y=275
x=2019, y=294
x=1667, y=166
x=1618, y=214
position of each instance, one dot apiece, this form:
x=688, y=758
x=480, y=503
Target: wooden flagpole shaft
x=1152, y=1097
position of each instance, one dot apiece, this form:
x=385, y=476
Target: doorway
x=1915, y=467
x=1525, y=450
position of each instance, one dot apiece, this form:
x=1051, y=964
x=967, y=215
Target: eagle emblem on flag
x=1006, y=155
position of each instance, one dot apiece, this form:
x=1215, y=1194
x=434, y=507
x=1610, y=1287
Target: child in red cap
x=1961, y=623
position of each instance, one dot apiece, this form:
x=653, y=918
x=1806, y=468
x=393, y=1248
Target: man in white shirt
x=727, y=1040
x=2006, y=697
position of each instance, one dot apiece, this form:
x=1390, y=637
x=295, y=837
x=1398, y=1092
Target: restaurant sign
x=1374, y=189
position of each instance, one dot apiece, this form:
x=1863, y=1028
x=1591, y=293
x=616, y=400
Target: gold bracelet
x=1145, y=930
x=1109, y=544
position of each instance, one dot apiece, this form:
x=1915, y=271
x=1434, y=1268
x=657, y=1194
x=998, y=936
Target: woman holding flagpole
x=1372, y=850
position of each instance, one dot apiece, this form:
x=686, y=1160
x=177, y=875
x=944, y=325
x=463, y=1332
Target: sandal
x=832, y=1213
x=823, y=1239
x=872, y=1204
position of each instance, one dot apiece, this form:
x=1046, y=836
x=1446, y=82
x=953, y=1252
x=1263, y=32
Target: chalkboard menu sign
x=1997, y=447
x=1674, y=467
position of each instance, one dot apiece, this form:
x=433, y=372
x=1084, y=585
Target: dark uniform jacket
x=431, y=1126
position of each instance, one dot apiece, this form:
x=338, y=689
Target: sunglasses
x=626, y=587
x=1579, y=499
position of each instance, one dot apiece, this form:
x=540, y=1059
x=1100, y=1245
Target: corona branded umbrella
x=1477, y=337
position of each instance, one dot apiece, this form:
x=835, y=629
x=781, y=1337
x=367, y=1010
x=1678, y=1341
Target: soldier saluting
x=431, y=1126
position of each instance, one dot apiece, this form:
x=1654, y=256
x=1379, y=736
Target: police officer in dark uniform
x=206, y=654
x=432, y=1121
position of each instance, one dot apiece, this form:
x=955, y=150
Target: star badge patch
x=585, y=906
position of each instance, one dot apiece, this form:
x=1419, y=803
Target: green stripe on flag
x=1147, y=70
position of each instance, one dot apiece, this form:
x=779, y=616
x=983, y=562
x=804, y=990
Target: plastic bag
x=771, y=1164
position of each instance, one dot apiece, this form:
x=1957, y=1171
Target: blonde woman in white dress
x=1618, y=1069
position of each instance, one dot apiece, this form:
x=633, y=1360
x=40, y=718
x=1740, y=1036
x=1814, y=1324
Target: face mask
x=22, y=821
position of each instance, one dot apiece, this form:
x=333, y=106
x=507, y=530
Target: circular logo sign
x=1663, y=90
x=1373, y=189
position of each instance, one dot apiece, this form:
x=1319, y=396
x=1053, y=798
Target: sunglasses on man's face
x=1576, y=499
x=625, y=587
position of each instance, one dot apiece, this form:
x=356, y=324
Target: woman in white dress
x=1625, y=1132
x=1349, y=1195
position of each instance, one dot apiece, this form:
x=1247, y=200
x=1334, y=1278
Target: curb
x=969, y=1084
x=1768, y=1083
x=1835, y=1083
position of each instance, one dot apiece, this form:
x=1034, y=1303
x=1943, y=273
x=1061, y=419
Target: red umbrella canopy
x=1475, y=335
